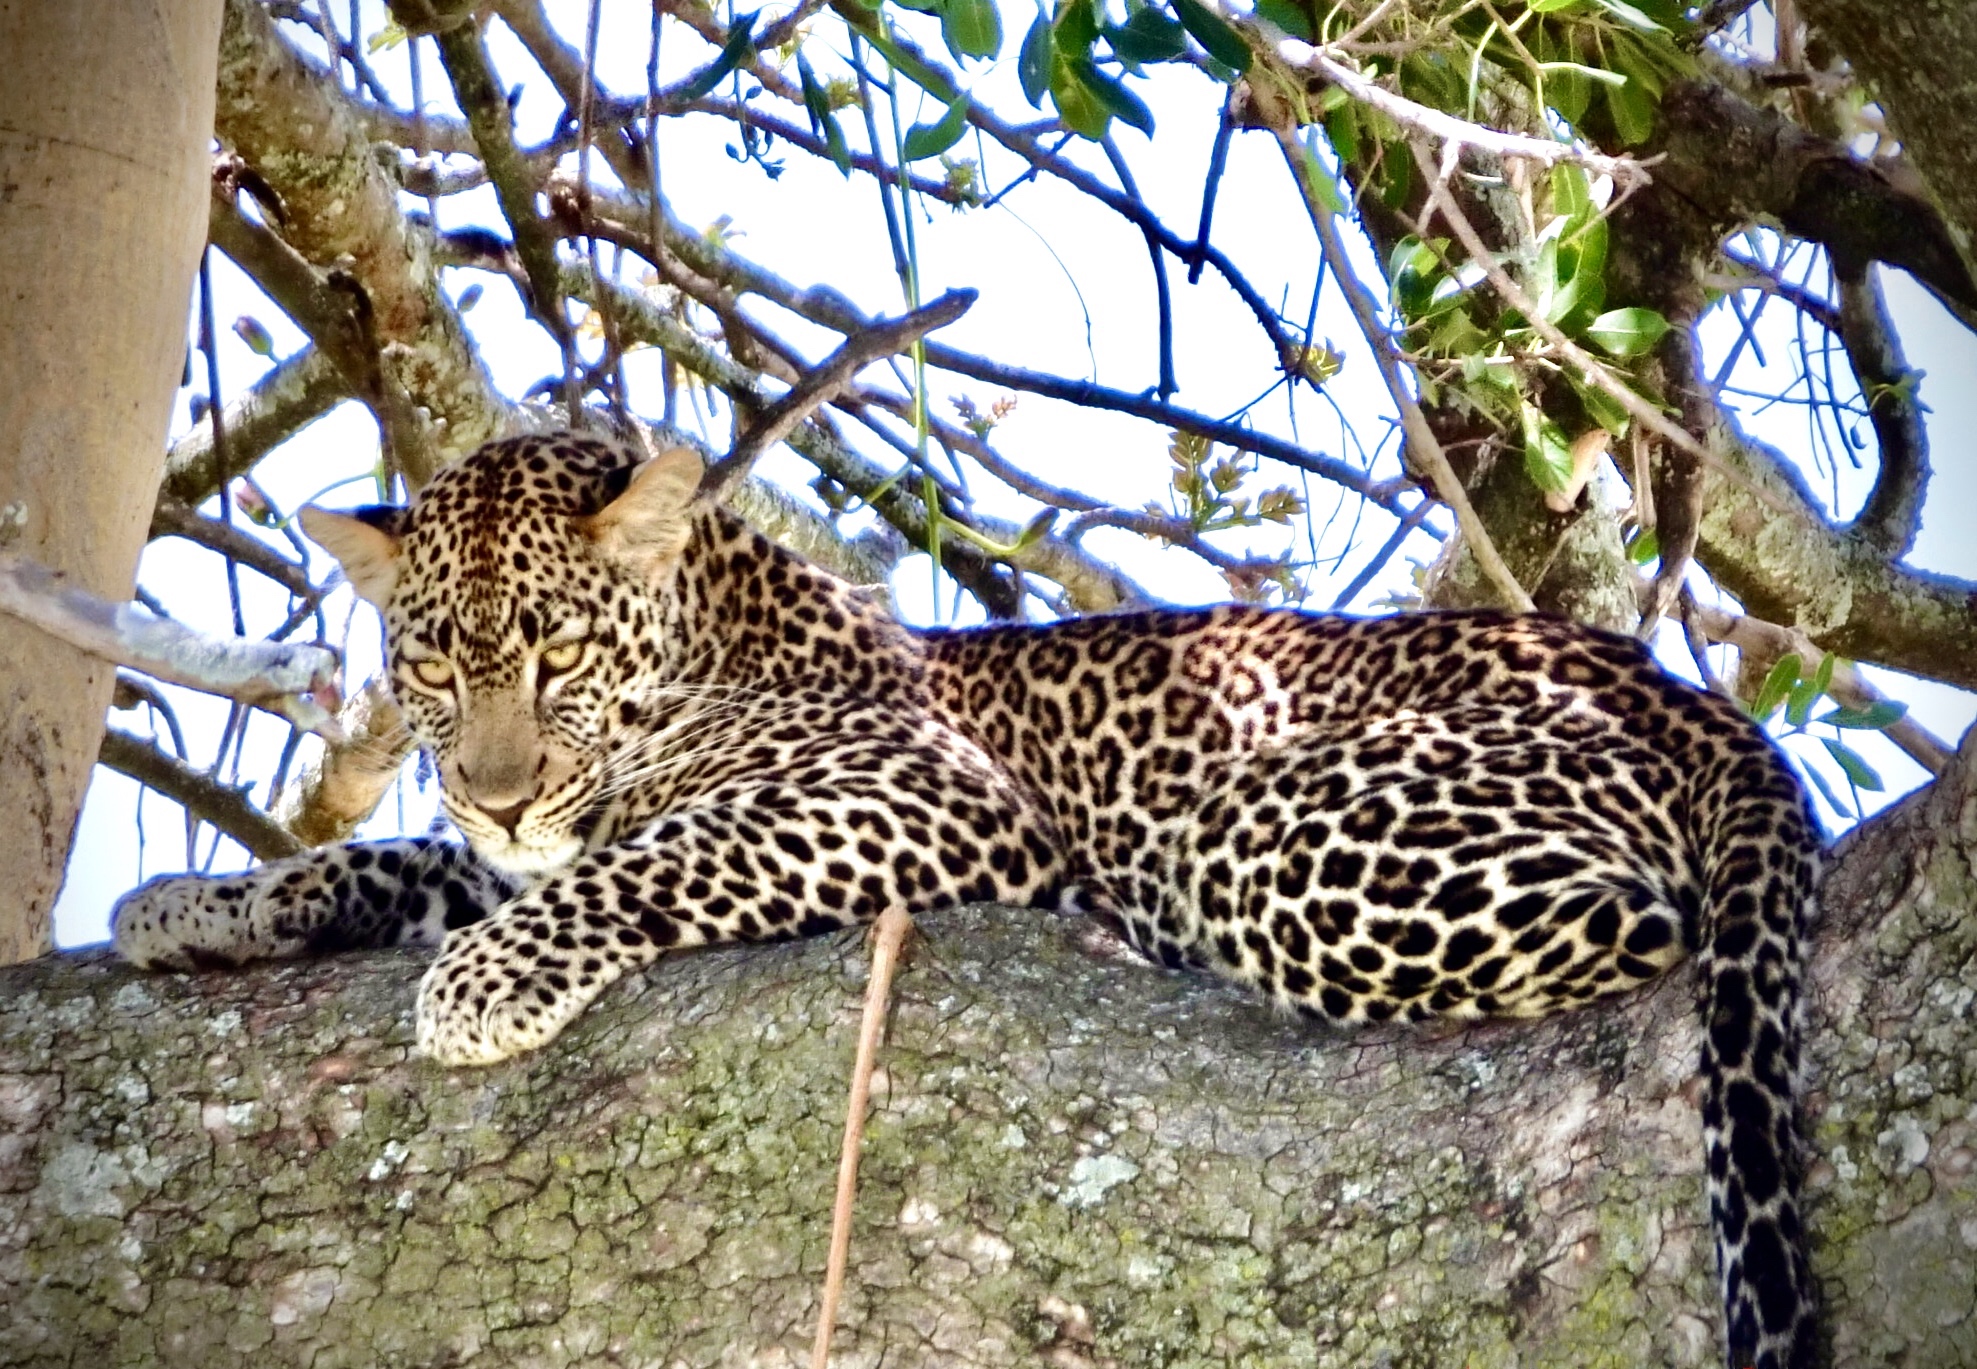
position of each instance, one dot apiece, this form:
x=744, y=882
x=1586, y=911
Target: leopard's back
x=1436, y=816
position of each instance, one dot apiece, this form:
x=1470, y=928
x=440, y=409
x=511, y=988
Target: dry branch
x=203, y=796
x=277, y=677
x=297, y=392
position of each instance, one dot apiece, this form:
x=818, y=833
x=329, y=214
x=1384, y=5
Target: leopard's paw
x=499, y=988
x=177, y=922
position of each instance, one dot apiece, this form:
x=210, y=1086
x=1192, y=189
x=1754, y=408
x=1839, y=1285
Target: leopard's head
x=525, y=594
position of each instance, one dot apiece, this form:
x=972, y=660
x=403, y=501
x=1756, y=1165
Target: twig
x=173, y=519
x=888, y=935
x=1421, y=440
x=203, y=797
x=486, y=107
x=278, y=678
x=824, y=380
x=1768, y=641
x=1627, y=172
x=624, y=220
x=1163, y=297
x=1380, y=558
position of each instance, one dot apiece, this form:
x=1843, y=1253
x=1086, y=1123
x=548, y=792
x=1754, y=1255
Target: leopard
x=658, y=730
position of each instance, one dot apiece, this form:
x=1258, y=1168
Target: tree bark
x=1073, y=1157
x=104, y=122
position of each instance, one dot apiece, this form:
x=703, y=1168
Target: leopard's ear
x=648, y=525
x=365, y=541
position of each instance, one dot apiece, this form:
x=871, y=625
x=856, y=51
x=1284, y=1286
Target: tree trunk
x=105, y=115
x=1072, y=1156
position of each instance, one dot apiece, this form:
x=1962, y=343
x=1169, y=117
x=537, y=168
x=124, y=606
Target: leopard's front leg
x=367, y=894
x=782, y=862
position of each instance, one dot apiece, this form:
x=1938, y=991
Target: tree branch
x=1892, y=515
x=293, y=124
x=173, y=519
x=822, y=382
x=343, y=786
x=279, y=678
x=225, y=807
x=297, y=392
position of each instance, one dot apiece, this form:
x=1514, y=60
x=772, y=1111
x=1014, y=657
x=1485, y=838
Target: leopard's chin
x=527, y=859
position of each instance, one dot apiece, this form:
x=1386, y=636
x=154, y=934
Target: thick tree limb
x=271, y=675
x=1921, y=60
x=1764, y=539
x=297, y=392
x=204, y=797
x=1733, y=163
x=1072, y=1160
x=296, y=127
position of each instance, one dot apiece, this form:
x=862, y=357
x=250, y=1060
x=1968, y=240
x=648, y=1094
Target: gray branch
x=1072, y=1160
x=272, y=675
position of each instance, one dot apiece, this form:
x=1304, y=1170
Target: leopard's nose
x=506, y=818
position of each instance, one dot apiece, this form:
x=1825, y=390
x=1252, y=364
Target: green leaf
x=1628, y=15
x=1077, y=27
x=1290, y=16
x=1632, y=109
x=390, y=36
x=1627, y=332
x=1859, y=772
x=1212, y=31
x=1826, y=792
x=1571, y=195
x=1551, y=6
x=1079, y=107
x=1777, y=684
x=737, y=50
x=1034, y=64
x=1120, y=102
x=930, y=140
x=1881, y=714
x=972, y=28
x=1799, y=702
x=1644, y=548
x=1411, y=271
x=1822, y=674
x=1318, y=178
x=1148, y=35
x=1343, y=130
x=1602, y=408
x=823, y=119
x=1547, y=455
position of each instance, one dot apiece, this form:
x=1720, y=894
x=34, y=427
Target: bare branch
x=340, y=789
x=204, y=797
x=1625, y=171
x=1892, y=515
x=301, y=389
x=173, y=519
x=274, y=676
x=1421, y=442
x=822, y=382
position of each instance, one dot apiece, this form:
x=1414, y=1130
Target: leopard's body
x=658, y=731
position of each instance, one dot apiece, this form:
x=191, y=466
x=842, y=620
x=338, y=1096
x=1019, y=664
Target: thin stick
x=888, y=934
x=1421, y=442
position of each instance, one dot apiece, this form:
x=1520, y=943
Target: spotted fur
x=658, y=731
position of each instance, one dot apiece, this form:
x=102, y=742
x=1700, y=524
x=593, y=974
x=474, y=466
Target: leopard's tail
x=1760, y=872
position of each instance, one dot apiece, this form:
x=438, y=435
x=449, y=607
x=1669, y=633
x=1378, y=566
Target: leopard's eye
x=562, y=656
x=434, y=673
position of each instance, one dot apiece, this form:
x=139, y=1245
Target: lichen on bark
x=1072, y=1156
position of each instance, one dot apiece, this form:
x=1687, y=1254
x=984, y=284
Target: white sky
x=1065, y=288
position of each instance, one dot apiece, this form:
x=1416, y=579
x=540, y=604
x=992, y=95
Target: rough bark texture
x=1071, y=1156
x=1920, y=56
x=104, y=118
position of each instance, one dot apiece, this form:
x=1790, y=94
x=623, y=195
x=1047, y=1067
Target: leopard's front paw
x=499, y=988
x=175, y=922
